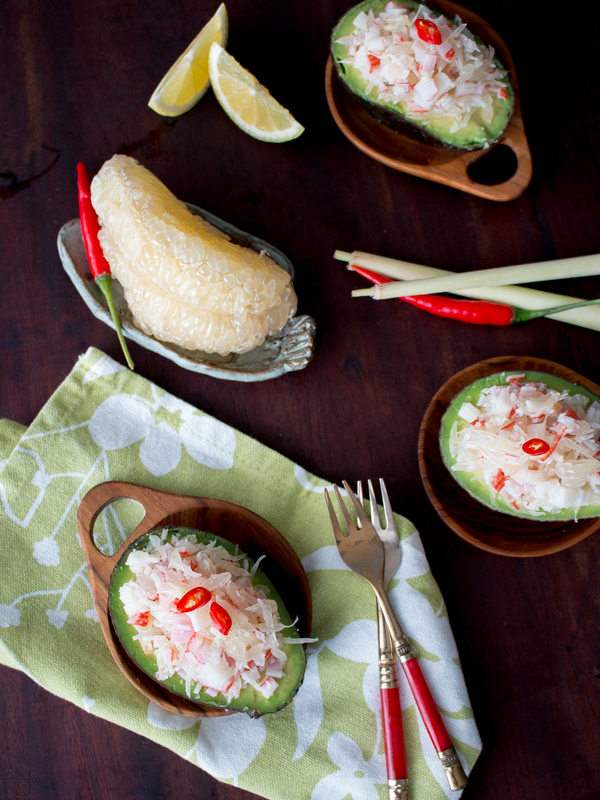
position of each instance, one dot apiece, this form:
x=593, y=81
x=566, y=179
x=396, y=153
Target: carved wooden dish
x=449, y=167
x=254, y=535
x=487, y=529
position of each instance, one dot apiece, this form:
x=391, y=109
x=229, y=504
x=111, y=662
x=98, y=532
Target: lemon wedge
x=187, y=80
x=247, y=102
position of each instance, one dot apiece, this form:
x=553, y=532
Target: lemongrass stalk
x=532, y=299
x=502, y=276
x=390, y=267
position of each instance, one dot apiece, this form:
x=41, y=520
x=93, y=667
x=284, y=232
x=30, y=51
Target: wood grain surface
x=76, y=80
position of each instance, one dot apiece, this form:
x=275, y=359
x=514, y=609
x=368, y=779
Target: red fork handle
x=395, y=754
x=435, y=725
x=426, y=704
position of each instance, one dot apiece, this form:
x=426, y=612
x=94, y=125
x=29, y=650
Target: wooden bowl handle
x=106, y=493
x=514, y=137
x=101, y=566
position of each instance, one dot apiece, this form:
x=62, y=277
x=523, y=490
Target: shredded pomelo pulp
x=535, y=446
x=425, y=64
x=194, y=644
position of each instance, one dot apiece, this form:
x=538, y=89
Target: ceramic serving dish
x=239, y=525
x=468, y=171
x=289, y=350
x=475, y=523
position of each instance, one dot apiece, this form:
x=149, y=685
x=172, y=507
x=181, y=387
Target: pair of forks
x=374, y=553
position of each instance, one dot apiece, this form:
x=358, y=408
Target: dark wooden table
x=76, y=80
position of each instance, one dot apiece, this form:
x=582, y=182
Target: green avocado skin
x=250, y=700
x=477, y=488
x=477, y=134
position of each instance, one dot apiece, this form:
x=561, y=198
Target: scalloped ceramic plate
x=289, y=350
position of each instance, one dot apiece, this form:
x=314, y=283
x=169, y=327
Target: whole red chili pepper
x=477, y=312
x=99, y=266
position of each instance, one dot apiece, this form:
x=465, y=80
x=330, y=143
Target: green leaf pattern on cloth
x=107, y=423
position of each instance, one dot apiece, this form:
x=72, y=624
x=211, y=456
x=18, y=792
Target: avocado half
x=250, y=700
x=477, y=487
x=478, y=133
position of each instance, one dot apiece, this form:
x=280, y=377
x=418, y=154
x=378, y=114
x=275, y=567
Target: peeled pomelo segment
x=185, y=282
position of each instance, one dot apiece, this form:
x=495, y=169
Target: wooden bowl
x=449, y=167
x=254, y=535
x=487, y=529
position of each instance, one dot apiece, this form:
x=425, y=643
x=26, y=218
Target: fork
x=391, y=709
x=362, y=550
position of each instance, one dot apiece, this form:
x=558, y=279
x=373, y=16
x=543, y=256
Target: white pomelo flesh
x=184, y=281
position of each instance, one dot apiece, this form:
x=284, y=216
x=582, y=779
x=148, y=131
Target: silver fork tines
x=387, y=506
x=361, y=549
x=387, y=534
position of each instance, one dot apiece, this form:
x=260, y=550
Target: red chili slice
x=221, y=618
x=193, y=599
x=536, y=447
x=428, y=31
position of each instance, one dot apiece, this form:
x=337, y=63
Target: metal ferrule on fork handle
x=398, y=789
x=453, y=769
x=404, y=651
x=388, y=678
x=434, y=723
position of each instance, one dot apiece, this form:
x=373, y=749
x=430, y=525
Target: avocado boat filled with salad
x=526, y=444
x=200, y=618
x=422, y=74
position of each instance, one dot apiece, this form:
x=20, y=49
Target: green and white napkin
x=107, y=423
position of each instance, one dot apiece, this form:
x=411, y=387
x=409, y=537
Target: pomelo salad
x=426, y=64
x=195, y=608
x=536, y=447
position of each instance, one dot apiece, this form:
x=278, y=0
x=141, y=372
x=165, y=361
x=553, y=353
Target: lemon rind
x=286, y=135
x=175, y=111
